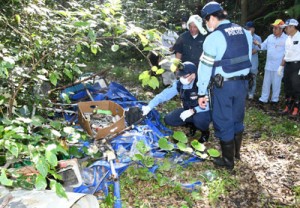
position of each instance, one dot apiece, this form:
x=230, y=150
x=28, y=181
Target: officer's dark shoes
x=192, y=131
x=227, y=159
x=237, y=144
x=204, y=136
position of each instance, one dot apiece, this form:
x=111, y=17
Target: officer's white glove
x=146, y=109
x=280, y=70
x=185, y=114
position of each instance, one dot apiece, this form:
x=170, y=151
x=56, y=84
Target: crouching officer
x=190, y=113
x=226, y=59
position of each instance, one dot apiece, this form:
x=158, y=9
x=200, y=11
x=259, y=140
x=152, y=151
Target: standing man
x=275, y=45
x=188, y=46
x=190, y=112
x=226, y=60
x=254, y=59
x=291, y=61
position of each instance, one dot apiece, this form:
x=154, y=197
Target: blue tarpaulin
x=124, y=145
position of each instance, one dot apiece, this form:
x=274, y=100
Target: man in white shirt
x=275, y=46
x=291, y=66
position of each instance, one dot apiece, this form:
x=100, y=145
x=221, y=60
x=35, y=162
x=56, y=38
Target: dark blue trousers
x=200, y=120
x=229, y=109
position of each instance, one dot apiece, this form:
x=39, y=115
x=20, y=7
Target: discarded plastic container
x=209, y=175
x=70, y=172
x=49, y=199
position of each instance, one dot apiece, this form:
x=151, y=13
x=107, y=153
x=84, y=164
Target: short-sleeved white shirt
x=292, y=48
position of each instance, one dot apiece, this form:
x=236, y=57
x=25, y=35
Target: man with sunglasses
x=225, y=62
x=190, y=112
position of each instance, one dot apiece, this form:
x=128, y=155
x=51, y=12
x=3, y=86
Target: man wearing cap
x=190, y=112
x=188, y=46
x=254, y=59
x=226, y=61
x=275, y=45
x=291, y=66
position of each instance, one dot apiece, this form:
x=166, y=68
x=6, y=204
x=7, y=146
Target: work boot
x=227, y=159
x=238, y=143
x=204, y=136
x=192, y=130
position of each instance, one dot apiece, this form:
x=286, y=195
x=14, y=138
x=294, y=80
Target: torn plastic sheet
x=150, y=131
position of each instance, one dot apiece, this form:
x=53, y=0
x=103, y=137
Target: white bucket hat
x=197, y=20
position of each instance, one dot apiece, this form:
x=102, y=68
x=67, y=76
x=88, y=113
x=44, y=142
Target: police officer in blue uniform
x=190, y=112
x=225, y=65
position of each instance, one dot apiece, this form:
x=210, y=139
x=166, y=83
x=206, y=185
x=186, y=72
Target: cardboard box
x=89, y=107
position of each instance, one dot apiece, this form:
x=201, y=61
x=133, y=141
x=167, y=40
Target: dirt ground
x=268, y=171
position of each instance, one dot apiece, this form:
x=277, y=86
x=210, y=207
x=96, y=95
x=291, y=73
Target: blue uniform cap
x=210, y=8
x=249, y=24
x=186, y=68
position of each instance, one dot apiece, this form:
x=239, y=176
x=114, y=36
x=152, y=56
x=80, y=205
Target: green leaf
x=142, y=147
x=68, y=73
x=162, y=180
x=144, y=75
x=213, y=152
x=143, y=39
x=12, y=147
x=58, y=188
x=37, y=121
x=184, y=148
x=55, y=124
x=165, y=166
x=18, y=19
x=42, y=77
x=137, y=157
x=53, y=79
x=40, y=182
x=154, y=68
x=92, y=35
x=153, y=82
x=78, y=48
x=42, y=166
x=81, y=24
x=115, y=48
x=55, y=133
x=4, y=180
x=198, y=146
x=94, y=49
x=51, y=158
x=160, y=71
x=202, y=155
x=148, y=161
x=180, y=136
x=165, y=145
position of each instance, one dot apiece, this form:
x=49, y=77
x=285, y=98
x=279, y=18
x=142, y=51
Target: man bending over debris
x=190, y=112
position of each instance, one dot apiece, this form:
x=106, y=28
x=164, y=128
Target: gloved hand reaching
x=186, y=114
x=280, y=70
x=146, y=109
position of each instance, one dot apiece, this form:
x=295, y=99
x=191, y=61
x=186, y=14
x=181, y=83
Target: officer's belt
x=232, y=61
x=236, y=78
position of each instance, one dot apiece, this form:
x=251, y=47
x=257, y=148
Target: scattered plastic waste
x=209, y=175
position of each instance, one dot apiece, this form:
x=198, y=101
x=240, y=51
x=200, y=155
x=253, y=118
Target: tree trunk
x=244, y=7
